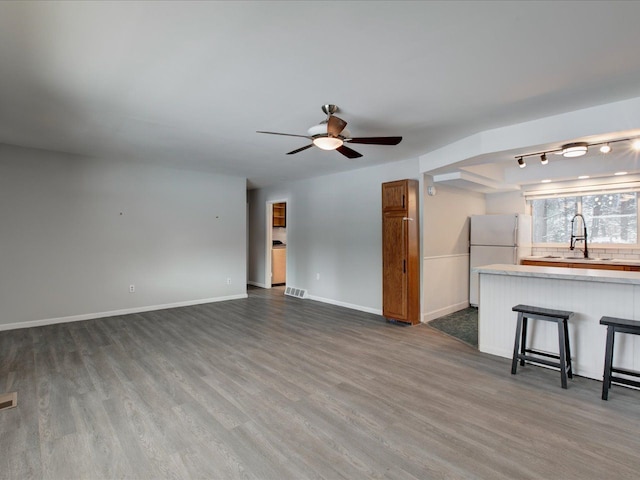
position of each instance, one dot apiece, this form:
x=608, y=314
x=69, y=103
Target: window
x=552, y=219
x=612, y=218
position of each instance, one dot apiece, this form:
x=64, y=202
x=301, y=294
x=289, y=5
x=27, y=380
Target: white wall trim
x=446, y=256
x=257, y=284
x=113, y=313
x=428, y=316
x=375, y=311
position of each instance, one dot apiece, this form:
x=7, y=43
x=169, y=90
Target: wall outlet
x=132, y=288
x=317, y=276
x=229, y=281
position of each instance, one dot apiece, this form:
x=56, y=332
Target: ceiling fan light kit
x=328, y=143
x=331, y=134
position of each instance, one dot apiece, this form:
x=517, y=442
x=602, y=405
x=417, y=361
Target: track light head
x=543, y=159
x=521, y=162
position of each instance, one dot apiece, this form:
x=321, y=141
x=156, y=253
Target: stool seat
x=617, y=325
x=547, y=312
x=522, y=353
x=620, y=323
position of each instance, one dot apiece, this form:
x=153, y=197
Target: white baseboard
x=113, y=313
x=428, y=316
x=345, y=304
x=257, y=284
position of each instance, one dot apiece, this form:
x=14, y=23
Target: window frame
x=578, y=196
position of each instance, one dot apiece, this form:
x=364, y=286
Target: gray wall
x=447, y=232
x=506, y=202
x=75, y=233
x=334, y=228
x=445, y=267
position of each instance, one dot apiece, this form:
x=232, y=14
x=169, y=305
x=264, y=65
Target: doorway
x=276, y=243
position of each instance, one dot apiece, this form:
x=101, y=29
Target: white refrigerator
x=497, y=239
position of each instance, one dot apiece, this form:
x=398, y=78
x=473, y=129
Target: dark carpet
x=462, y=325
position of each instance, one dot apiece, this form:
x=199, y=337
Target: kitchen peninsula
x=590, y=293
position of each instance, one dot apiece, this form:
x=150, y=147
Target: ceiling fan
x=331, y=134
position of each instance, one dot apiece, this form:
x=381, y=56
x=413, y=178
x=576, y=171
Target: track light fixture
x=575, y=149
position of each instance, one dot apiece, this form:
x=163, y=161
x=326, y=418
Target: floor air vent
x=295, y=292
x=8, y=400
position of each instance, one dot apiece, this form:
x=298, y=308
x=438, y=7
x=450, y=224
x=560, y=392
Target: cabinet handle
x=403, y=201
x=407, y=219
x=404, y=266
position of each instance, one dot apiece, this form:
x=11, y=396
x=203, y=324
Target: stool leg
x=563, y=358
x=523, y=344
x=568, y=349
x=514, y=362
x=608, y=363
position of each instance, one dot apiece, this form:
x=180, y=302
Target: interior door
x=394, y=266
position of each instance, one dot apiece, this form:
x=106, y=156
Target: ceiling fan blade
x=285, y=134
x=335, y=126
x=300, y=149
x=347, y=152
x=376, y=140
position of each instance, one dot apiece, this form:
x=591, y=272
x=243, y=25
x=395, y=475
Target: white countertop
x=604, y=260
x=589, y=293
x=563, y=273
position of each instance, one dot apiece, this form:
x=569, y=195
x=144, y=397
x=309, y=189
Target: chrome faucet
x=579, y=238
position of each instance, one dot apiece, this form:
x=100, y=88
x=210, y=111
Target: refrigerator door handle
x=515, y=255
x=515, y=232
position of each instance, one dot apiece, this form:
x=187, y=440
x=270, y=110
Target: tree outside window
x=611, y=218
x=552, y=219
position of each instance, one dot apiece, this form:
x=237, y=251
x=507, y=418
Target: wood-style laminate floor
x=273, y=387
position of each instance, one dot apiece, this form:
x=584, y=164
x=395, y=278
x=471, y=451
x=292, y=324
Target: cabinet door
x=278, y=265
x=394, y=196
x=596, y=266
x=394, y=266
x=539, y=263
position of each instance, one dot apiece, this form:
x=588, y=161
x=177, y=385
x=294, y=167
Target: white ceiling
x=187, y=84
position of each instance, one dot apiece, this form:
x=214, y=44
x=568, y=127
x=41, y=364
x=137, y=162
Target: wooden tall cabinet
x=400, y=251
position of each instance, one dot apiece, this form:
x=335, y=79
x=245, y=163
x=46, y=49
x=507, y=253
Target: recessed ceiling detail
x=473, y=182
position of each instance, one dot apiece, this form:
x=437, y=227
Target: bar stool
x=520, y=350
x=614, y=325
